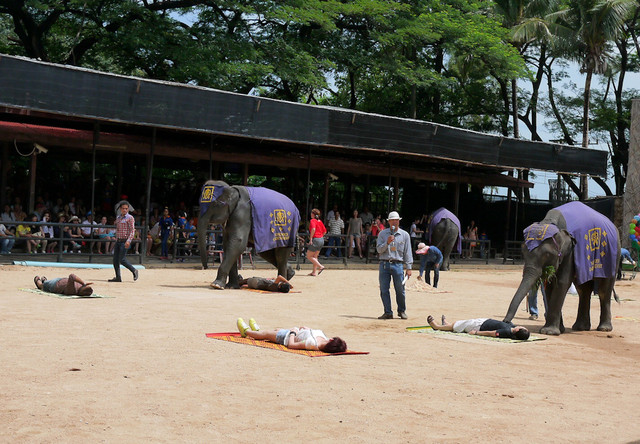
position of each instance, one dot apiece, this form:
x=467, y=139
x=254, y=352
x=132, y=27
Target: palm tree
x=585, y=30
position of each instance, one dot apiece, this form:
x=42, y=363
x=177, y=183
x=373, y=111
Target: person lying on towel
x=71, y=285
x=279, y=284
x=298, y=338
x=482, y=327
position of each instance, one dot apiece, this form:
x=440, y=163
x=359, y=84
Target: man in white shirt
x=336, y=229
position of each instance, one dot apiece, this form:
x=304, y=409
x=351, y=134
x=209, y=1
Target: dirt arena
x=137, y=367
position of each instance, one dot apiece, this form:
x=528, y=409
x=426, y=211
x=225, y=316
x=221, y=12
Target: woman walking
x=317, y=231
x=125, y=229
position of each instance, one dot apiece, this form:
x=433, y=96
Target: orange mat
x=237, y=338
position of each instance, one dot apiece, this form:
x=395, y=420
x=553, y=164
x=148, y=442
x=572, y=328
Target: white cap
x=394, y=215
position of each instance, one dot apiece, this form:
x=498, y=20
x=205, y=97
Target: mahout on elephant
x=249, y=215
x=444, y=232
x=572, y=244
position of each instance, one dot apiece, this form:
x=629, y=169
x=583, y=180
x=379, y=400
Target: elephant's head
x=540, y=251
x=217, y=201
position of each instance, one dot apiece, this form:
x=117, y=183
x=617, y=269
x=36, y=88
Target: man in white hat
x=394, y=251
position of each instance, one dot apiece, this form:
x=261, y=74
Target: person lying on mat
x=298, y=338
x=279, y=284
x=71, y=285
x=482, y=327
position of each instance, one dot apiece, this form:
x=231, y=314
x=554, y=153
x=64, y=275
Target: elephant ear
x=565, y=243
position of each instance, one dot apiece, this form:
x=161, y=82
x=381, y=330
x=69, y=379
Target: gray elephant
x=263, y=217
x=572, y=244
x=444, y=232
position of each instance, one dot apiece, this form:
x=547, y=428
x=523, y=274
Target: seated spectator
x=7, y=239
x=23, y=233
x=49, y=242
x=75, y=232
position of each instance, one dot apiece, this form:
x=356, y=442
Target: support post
x=32, y=182
x=145, y=228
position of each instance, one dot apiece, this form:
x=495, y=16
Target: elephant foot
x=605, y=327
x=581, y=326
x=444, y=268
x=553, y=331
x=230, y=285
x=290, y=273
x=217, y=285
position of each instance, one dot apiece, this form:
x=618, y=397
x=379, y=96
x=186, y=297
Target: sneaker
x=135, y=274
x=242, y=327
x=386, y=316
x=403, y=315
x=533, y=317
x=254, y=325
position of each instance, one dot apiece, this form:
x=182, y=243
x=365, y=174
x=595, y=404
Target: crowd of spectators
x=81, y=233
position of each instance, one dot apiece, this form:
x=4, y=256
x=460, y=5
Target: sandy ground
x=138, y=368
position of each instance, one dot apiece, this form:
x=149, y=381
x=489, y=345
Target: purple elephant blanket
x=208, y=195
x=536, y=233
x=596, y=250
x=443, y=213
x=275, y=219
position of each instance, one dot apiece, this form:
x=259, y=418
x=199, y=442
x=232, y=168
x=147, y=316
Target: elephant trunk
x=202, y=242
x=529, y=278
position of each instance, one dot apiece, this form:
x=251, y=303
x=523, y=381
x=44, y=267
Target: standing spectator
x=394, y=248
x=331, y=215
x=430, y=259
x=317, y=230
x=366, y=216
x=89, y=232
x=472, y=235
x=336, y=230
x=6, y=240
x=354, y=232
x=166, y=228
x=377, y=227
x=125, y=228
x=415, y=232
x=49, y=242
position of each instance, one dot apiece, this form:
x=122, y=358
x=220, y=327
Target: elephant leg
x=583, y=319
x=233, y=246
x=605, y=290
x=279, y=258
x=556, y=292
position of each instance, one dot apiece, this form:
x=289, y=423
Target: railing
x=481, y=248
x=512, y=251
x=63, y=241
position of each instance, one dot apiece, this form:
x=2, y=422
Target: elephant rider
x=71, y=285
x=279, y=284
x=482, y=327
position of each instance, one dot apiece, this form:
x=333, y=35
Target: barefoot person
x=279, y=284
x=482, y=327
x=298, y=338
x=72, y=285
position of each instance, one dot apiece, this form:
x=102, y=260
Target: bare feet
x=444, y=320
x=430, y=320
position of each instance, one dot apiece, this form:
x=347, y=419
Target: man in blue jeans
x=394, y=250
x=430, y=259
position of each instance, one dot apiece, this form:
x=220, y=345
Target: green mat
x=428, y=329
x=64, y=296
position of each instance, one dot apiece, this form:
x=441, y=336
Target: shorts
x=282, y=335
x=50, y=285
x=316, y=244
x=356, y=235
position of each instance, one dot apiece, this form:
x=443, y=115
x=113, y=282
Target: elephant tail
x=615, y=295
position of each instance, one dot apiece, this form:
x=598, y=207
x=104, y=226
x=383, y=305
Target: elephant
x=444, y=232
x=583, y=248
x=263, y=217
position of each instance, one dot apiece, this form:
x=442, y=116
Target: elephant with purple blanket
x=444, y=232
x=267, y=219
x=580, y=246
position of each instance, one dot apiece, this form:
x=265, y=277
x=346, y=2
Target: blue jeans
x=119, y=257
x=6, y=244
x=165, y=244
x=533, y=300
x=386, y=272
x=428, y=266
x=334, y=241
